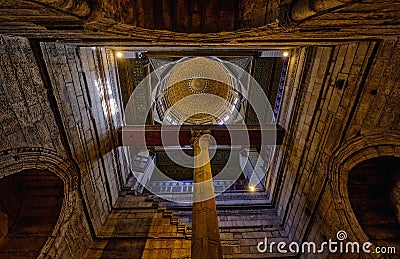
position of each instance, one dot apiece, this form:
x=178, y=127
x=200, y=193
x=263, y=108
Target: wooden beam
x=202, y=52
x=150, y=135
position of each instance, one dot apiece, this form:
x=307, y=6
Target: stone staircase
x=138, y=227
x=245, y=219
x=181, y=228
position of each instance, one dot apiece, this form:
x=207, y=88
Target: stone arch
x=346, y=158
x=373, y=193
x=13, y=161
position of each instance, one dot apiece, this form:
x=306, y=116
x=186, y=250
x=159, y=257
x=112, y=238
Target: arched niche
x=353, y=153
x=14, y=161
x=373, y=187
x=30, y=204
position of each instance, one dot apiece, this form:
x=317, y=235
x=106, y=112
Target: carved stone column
x=206, y=240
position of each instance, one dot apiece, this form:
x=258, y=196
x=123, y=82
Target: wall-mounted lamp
x=119, y=54
x=285, y=54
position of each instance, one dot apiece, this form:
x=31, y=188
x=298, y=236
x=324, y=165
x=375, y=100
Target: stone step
x=132, y=201
x=167, y=214
x=128, y=220
x=140, y=228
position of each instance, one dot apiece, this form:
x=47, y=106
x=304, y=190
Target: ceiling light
x=119, y=54
x=252, y=188
x=285, y=54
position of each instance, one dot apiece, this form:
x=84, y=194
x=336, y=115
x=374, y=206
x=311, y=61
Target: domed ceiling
x=199, y=91
x=211, y=87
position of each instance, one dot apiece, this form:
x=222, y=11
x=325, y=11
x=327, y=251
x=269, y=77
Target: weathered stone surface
x=340, y=107
x=140, y=228
x=337, y=116
x=84, y=92
x=250, y=23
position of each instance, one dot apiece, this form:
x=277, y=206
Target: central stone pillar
x=206, y=240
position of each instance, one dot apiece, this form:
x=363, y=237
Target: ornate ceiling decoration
x=198, y=85
x=198, y=67
x=198, y=90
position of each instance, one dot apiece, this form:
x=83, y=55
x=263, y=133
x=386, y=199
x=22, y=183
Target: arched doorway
x=374, y=194
x=30, y=205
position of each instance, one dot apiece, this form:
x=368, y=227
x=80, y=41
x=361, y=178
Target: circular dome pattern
x=197, y=91
x=198, y=67
x=198, y=85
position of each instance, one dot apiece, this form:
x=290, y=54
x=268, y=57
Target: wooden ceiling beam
x=150, y=135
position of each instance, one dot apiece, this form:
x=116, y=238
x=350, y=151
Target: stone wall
x=86, y=92
x=31, y=139
x=341, y=95
x=26, y=117
x=369, y=126
x=59, y=107
x=242, y=230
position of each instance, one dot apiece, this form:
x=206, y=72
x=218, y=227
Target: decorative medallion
x=198, y=85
